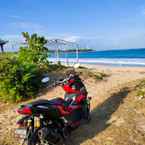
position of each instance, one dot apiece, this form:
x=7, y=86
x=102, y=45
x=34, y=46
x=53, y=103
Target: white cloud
x=71, y=38
x=15, y=17
x=14, y=41
x=11, y=36
x=143, y=10
x=134, y=40
x=29, y=26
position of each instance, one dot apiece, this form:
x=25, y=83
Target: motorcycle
x=50, y=122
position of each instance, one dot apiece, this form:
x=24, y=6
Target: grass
x=88, y=73
x=141, y=89
x=59, y=71
x=8, y=55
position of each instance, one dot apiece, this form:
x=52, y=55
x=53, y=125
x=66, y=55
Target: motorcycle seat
x=44, y=102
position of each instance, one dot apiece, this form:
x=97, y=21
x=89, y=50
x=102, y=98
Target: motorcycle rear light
x=20, y=125
x=25, y=110
x=29, y=122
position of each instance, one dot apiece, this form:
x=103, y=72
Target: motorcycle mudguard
x=23, y=121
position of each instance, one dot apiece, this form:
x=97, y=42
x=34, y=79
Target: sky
x=102, y=24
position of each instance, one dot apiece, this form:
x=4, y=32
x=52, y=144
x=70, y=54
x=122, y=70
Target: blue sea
x=124, y=57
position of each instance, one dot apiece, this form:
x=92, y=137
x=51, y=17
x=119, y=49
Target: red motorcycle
x=49, y=122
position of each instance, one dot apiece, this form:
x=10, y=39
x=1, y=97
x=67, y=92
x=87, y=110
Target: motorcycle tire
x=33, y=140
x=87, y=114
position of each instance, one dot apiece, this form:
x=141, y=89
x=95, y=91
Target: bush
x=141, y=88
x=21, y=73
x=35, y=51
x=18, y=81
x=85, y=72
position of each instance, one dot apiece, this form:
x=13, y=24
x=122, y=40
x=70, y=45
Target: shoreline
x=111, y=66
x=103, y=61
x=117, y=69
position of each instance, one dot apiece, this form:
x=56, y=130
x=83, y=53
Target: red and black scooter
x=49, y=122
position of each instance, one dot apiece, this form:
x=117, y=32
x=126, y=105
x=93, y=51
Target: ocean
x=124, y=57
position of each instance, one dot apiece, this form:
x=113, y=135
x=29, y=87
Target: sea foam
x=105, y=61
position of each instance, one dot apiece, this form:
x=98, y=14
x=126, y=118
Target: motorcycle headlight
x=74, y=98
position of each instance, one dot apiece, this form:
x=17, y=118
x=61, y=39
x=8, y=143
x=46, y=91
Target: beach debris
x=141, y=97
x=117, y=121
x=140, y=124
x=77, y=65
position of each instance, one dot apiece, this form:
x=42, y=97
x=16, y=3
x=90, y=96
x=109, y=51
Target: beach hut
x=63, y=45
x=2, y=43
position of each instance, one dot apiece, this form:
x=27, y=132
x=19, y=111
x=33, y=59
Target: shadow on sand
x=100, y=115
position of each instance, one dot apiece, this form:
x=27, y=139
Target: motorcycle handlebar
x=61, y=82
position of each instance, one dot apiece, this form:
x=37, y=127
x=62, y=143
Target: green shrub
x=141, y=88
x=18, y=81
x=100, y=75
x=21, y=73
x=85, y=72
x=35, y=50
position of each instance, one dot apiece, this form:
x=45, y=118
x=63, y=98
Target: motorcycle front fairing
x=69, y=89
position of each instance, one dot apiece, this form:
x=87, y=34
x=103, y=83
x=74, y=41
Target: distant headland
x=74, y=50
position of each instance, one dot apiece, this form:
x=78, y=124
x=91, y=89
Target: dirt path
x=107, y=96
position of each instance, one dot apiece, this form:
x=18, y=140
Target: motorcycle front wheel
x=87, y=113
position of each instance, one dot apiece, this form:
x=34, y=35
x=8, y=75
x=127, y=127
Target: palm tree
x=2, y=43
x=34, y=46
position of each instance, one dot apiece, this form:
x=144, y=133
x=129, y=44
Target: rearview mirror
x=45, y=80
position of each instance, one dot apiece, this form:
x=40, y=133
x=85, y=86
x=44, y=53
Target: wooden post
x=2, y=48
x=77, y=53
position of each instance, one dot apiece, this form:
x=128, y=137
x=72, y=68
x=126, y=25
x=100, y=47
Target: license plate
x=20, y=133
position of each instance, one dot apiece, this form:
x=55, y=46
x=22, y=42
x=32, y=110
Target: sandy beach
x=104, y=95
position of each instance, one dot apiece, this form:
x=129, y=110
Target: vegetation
x=141, y=89
x=17, y=80
x=87, y=73
x=21, y=73
x=35, y=49
x=74, y=50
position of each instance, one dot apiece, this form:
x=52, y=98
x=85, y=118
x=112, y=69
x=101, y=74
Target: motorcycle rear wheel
x=35, y=140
